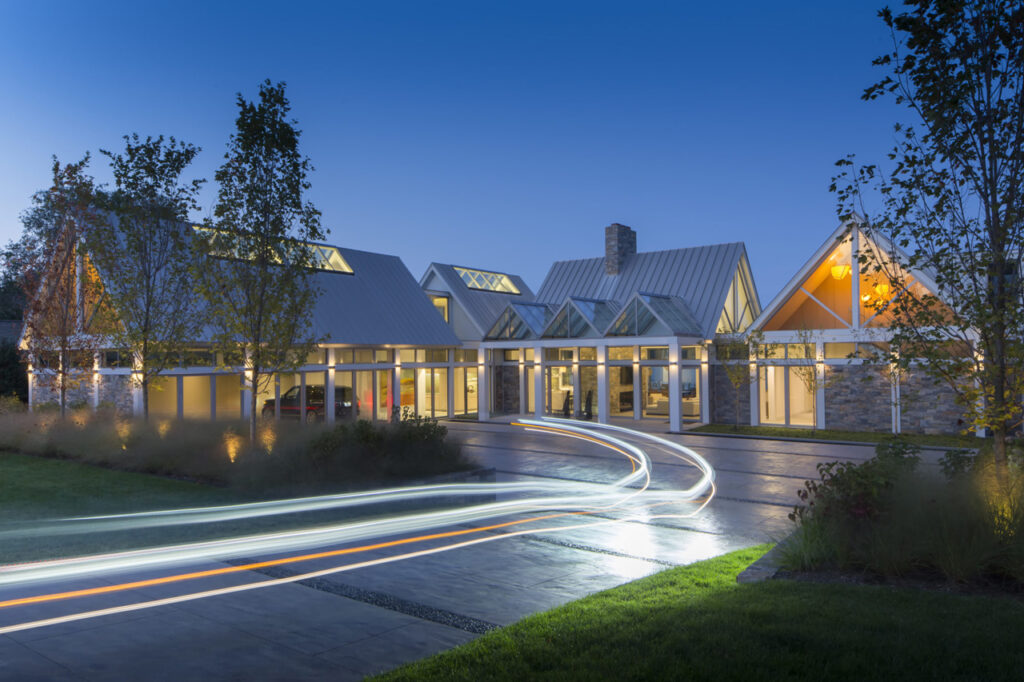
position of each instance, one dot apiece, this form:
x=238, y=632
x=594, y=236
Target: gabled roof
x=520, y=321
x=379, y=303
x=374, y=300
x=840, y=234
x=581, y=317
x=482, y=307
x=699, y=276
x=645, y=314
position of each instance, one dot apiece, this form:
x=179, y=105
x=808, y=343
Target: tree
x=62, y=300
x=261, y=290
x=143, y=252
x=953, y=201
x=735, y=355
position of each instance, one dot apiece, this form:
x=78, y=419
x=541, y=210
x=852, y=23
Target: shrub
x=884, y=517
x=853, y=491
x=285, y=456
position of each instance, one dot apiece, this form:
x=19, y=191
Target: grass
x=37, y=489
x=695, y=622
x=924, y=440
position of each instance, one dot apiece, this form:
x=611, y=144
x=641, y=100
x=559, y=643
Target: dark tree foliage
x=13, y=371
x=143, y=253
x=261, y=289
x=952, y=200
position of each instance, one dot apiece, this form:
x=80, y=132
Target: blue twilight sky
x=500, y=135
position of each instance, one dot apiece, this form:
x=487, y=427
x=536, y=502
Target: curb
x=766, y=567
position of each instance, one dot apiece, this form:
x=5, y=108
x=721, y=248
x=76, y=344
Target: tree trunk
x=252, y=405
x=145, y=398
x=999, y=451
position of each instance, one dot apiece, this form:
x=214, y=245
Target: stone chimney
x=619, y=242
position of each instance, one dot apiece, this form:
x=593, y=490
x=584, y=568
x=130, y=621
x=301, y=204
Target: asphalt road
x=358, y=622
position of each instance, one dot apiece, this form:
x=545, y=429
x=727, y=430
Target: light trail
x=585, y=498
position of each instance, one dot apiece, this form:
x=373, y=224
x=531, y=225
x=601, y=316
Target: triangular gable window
x=636, y=319
x=825, y=299
x=509, y=326
x=739, y=310
x=569, y=324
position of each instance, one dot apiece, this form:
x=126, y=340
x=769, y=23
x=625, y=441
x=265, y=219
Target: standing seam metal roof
x=700, y=276
x=483, y=307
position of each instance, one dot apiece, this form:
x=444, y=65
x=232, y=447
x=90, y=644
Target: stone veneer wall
x=44, y=392
x=928, y=407
x=722, y=397
x=505, y=389
x=116, y=391
x=857, y=398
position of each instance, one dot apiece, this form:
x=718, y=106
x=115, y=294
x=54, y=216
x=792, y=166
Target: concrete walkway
x=351, y=624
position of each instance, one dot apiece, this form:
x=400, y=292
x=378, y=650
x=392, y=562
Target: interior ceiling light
x=882, y=290
x=840, y=272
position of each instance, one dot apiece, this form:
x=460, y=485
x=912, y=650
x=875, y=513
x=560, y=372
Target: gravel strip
x=380, y=599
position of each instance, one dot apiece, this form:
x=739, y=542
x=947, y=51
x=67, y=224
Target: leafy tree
x=734, y=355
x=261, y=290
x=953, y=200
x=143, y=252
x=61, y=293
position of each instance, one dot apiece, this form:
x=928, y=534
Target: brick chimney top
x=619, y=242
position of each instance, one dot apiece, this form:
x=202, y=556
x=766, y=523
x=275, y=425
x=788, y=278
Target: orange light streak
x=271, y=562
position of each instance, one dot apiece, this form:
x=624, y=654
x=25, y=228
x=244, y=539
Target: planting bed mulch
x=993, y=587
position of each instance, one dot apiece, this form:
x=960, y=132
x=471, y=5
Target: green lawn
x=835, y=434
x=695, y=622
x=38, y=488
x=34, y=488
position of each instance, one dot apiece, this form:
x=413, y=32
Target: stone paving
x=359, y=622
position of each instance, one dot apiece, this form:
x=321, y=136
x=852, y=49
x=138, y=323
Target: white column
x=95, y=381
x=602, y=385
x=247, y=387
x=31, y=387
x=638, y=408
x=483, y=401
x=451, y=384
x=855, y=276
x=755, y=396
x=576, y=383
x=136, y=388
x=329, y=404
x=538, y=382
x=523, y=388
x=705, y=389
x=675, y=399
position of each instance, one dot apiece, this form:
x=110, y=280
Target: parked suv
x=315, y=407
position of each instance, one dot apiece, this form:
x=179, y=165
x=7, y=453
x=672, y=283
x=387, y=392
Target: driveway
x=362, y=621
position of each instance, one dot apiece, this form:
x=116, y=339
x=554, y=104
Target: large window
x=785, y=396
x=654, y=385
x=441, y=303
x=558, y=391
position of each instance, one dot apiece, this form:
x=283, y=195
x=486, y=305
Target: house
x=623, y=335
x=379, y=330
x=823, y=333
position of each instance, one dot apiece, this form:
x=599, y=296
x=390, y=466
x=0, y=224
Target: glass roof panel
x=486, y=281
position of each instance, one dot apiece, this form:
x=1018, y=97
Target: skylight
x=487, y=281
x=327, y=258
